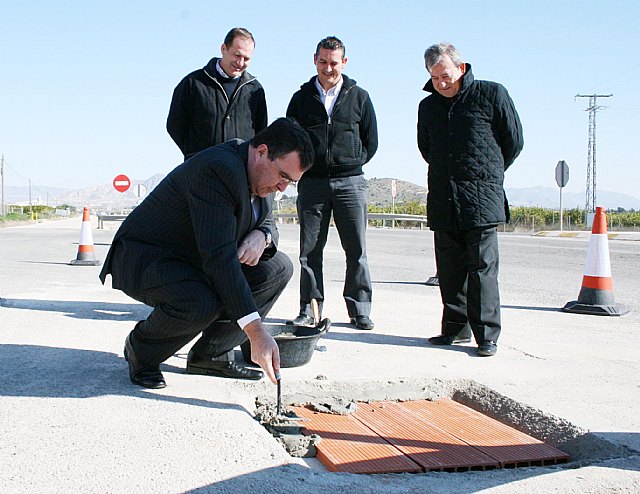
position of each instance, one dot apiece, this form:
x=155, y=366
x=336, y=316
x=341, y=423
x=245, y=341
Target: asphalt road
x=71, y=421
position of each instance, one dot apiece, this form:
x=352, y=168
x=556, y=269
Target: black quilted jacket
x=468, y=141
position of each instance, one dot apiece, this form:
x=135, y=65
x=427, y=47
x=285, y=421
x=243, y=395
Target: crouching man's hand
x=251, y=248
x=264, y=349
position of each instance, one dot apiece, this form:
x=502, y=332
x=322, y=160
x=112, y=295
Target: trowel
x=279, y=403
x=315, y=311
x=281, y=417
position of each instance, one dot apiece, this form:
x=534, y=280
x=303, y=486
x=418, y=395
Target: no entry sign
x=121, y=183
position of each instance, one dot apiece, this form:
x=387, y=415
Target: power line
x=622, y=78
x=31, y=186
x=625, y=89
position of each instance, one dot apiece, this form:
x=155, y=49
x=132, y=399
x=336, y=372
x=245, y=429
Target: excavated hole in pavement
x=341, y=397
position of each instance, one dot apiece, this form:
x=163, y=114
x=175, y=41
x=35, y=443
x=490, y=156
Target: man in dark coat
x=219, y=102
x=341, y=121
x=469, y=133
x=192, y=250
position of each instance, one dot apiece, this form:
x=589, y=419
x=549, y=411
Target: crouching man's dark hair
x=284, y=136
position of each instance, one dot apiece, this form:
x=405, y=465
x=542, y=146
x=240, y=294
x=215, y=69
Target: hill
x=549, y=198
x=102, y=197
x=379, y=192
x=105, y=197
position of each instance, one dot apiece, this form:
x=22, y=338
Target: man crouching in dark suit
x=201, y=250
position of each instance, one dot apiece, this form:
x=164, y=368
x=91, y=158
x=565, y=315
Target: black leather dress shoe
x=362, y=322
x=444, y=339
x=148, y=377
x=487, y=348
x=303, y=320
x=220, y=368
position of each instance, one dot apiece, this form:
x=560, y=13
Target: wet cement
x=286, y=429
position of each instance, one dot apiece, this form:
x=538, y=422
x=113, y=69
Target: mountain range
x=106, y=198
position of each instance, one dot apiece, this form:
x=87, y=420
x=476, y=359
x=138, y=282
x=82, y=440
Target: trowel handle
x=315, y=310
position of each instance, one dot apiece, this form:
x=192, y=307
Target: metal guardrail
x=109, y=217
x=420, y=219
x=384, y=217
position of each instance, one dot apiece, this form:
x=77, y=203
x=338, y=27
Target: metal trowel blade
x=279, y=403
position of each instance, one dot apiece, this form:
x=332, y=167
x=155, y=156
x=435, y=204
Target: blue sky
x=85, y=86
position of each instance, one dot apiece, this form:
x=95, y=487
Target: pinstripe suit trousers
x=184, y=309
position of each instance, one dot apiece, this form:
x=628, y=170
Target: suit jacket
x=189, y=228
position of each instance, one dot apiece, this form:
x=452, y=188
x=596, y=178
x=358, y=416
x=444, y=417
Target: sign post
x=141, y=192
x=121, y=183
x=278, y=197
x=562, y=177
x=394, y=192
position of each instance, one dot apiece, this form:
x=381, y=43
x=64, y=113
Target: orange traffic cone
x=596, y=293
x=86, y=255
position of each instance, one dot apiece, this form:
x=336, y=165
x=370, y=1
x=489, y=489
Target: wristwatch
x=267, y=236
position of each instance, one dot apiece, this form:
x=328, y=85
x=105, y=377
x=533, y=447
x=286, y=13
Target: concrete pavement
x=71, y=421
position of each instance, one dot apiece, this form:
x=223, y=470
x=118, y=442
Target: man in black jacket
x=219, y=102
x=469, y=133
x=193, y=251
x=341, y=121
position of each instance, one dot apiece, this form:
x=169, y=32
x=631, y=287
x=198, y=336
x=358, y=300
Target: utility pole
x=2, y=172
x=30, y=203
x=590, y=202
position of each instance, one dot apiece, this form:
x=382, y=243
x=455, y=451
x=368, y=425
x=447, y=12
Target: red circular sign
x=121, y=183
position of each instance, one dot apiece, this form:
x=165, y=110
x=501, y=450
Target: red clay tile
x=430, y=447
x=507, y=445
x=349, y=446
x=434, y=435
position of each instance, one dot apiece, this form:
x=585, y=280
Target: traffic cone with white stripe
x=86, y=255
x=596, y=293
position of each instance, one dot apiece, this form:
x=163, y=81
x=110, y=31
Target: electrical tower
x=590, y=202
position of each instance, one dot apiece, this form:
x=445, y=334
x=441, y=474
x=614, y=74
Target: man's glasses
x=283, y=175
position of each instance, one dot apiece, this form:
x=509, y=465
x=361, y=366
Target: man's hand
x=264, y=349
x=251, y=248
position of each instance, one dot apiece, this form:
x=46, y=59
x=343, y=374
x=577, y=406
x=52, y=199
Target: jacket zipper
x=224, y=93
x=329, y=123
x=237, y=90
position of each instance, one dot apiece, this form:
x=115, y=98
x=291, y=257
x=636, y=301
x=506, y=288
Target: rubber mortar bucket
x=296, y=343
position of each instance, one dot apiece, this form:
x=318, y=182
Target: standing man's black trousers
x=184, y=309
x=467, y=263
x=345, y=197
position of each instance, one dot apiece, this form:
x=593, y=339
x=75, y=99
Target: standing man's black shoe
x=303, y=320
x=220, y=368
x=487, y=348
x=444, y=339
x=362, y=322
x=148, y=377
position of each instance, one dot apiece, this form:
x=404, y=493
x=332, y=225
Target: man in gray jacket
x=469, y=133
x=219, y=102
